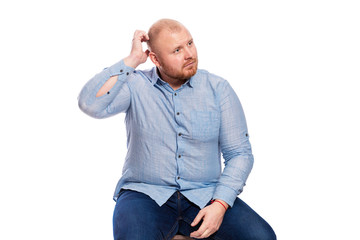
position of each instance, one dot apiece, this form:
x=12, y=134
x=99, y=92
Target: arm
x=238, y=158
x=107, y=92
x=235, y=147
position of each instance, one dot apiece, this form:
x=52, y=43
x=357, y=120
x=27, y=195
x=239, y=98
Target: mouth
x=189, y=64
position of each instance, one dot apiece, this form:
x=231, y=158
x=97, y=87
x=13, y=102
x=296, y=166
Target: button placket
x=178, y=120
x=176, y=106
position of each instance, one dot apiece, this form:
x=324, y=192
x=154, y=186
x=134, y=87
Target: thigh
x=242, y=222
x=138, y=217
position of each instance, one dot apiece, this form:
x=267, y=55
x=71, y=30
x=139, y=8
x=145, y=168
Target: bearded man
x=179, y=120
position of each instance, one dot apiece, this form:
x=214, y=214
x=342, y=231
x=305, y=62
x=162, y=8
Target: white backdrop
x=294, y=65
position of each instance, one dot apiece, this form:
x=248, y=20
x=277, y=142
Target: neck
x=175, y=83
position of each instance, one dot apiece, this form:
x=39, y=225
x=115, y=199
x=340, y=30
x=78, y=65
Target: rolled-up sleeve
x=235, y=147
x=115, y=101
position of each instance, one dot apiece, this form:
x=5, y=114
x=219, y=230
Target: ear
x=154, y=59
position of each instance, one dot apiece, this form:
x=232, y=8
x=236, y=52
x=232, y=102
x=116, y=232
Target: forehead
x=171, y=39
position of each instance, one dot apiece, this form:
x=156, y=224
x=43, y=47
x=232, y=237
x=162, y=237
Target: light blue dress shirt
x=175, y=137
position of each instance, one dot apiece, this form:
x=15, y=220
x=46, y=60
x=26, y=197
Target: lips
x=189, y=63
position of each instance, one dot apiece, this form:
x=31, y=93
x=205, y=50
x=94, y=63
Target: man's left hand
x=212, y=216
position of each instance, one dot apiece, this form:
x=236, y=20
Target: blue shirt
x=175, y=137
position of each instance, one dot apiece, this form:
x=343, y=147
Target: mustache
x=190, y=61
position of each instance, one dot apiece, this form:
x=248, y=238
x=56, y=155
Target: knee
x=260, y=231
x=265, y=233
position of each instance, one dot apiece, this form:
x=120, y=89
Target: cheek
x=176, y=63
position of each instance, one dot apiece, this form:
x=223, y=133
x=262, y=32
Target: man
x=179, y=120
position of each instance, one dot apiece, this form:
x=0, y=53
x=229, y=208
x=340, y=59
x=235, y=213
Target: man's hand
x=137, y=55
x=212, y=216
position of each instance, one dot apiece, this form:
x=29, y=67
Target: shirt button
x=179, y=156
x=127, y=73
x=177, y=113
x=178, y=177
x=121, y=70
x=179, y=134
x=175, y=94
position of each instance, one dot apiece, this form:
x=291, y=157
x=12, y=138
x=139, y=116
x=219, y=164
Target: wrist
x=221, y=202
x=131, y=61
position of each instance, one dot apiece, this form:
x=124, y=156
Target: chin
x=191, y=72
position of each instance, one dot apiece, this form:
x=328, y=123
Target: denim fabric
x=175, y=137
x=138, y=217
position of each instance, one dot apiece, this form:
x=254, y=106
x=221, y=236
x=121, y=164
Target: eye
x=177, y=50
x=190, y=43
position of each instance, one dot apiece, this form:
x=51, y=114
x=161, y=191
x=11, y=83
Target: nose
x=188, y=53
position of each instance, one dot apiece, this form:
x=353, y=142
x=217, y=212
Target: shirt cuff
x=226, y=194
x=120, y=68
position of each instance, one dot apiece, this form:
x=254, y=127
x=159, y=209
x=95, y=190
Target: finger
x=140, y=34
x=199, y=232
x=145, y=37
x=206, y=234
x=198, y=218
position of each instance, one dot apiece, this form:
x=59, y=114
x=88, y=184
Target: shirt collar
x=156, y=78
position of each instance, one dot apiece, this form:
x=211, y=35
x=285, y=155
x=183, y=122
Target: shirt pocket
x=205, y=125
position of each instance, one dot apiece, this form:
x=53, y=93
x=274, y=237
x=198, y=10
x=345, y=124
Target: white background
x=294, y=65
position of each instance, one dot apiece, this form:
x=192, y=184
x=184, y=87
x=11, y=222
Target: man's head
x=172, y=50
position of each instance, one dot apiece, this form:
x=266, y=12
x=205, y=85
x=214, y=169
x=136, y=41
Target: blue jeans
x=138, y=217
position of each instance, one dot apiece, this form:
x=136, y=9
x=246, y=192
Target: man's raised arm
x=106, y=93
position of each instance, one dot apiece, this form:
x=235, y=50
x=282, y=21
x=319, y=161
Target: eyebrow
x=180, y=46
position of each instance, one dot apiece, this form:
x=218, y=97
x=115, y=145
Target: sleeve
x=115, y=101
x=235, y=147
